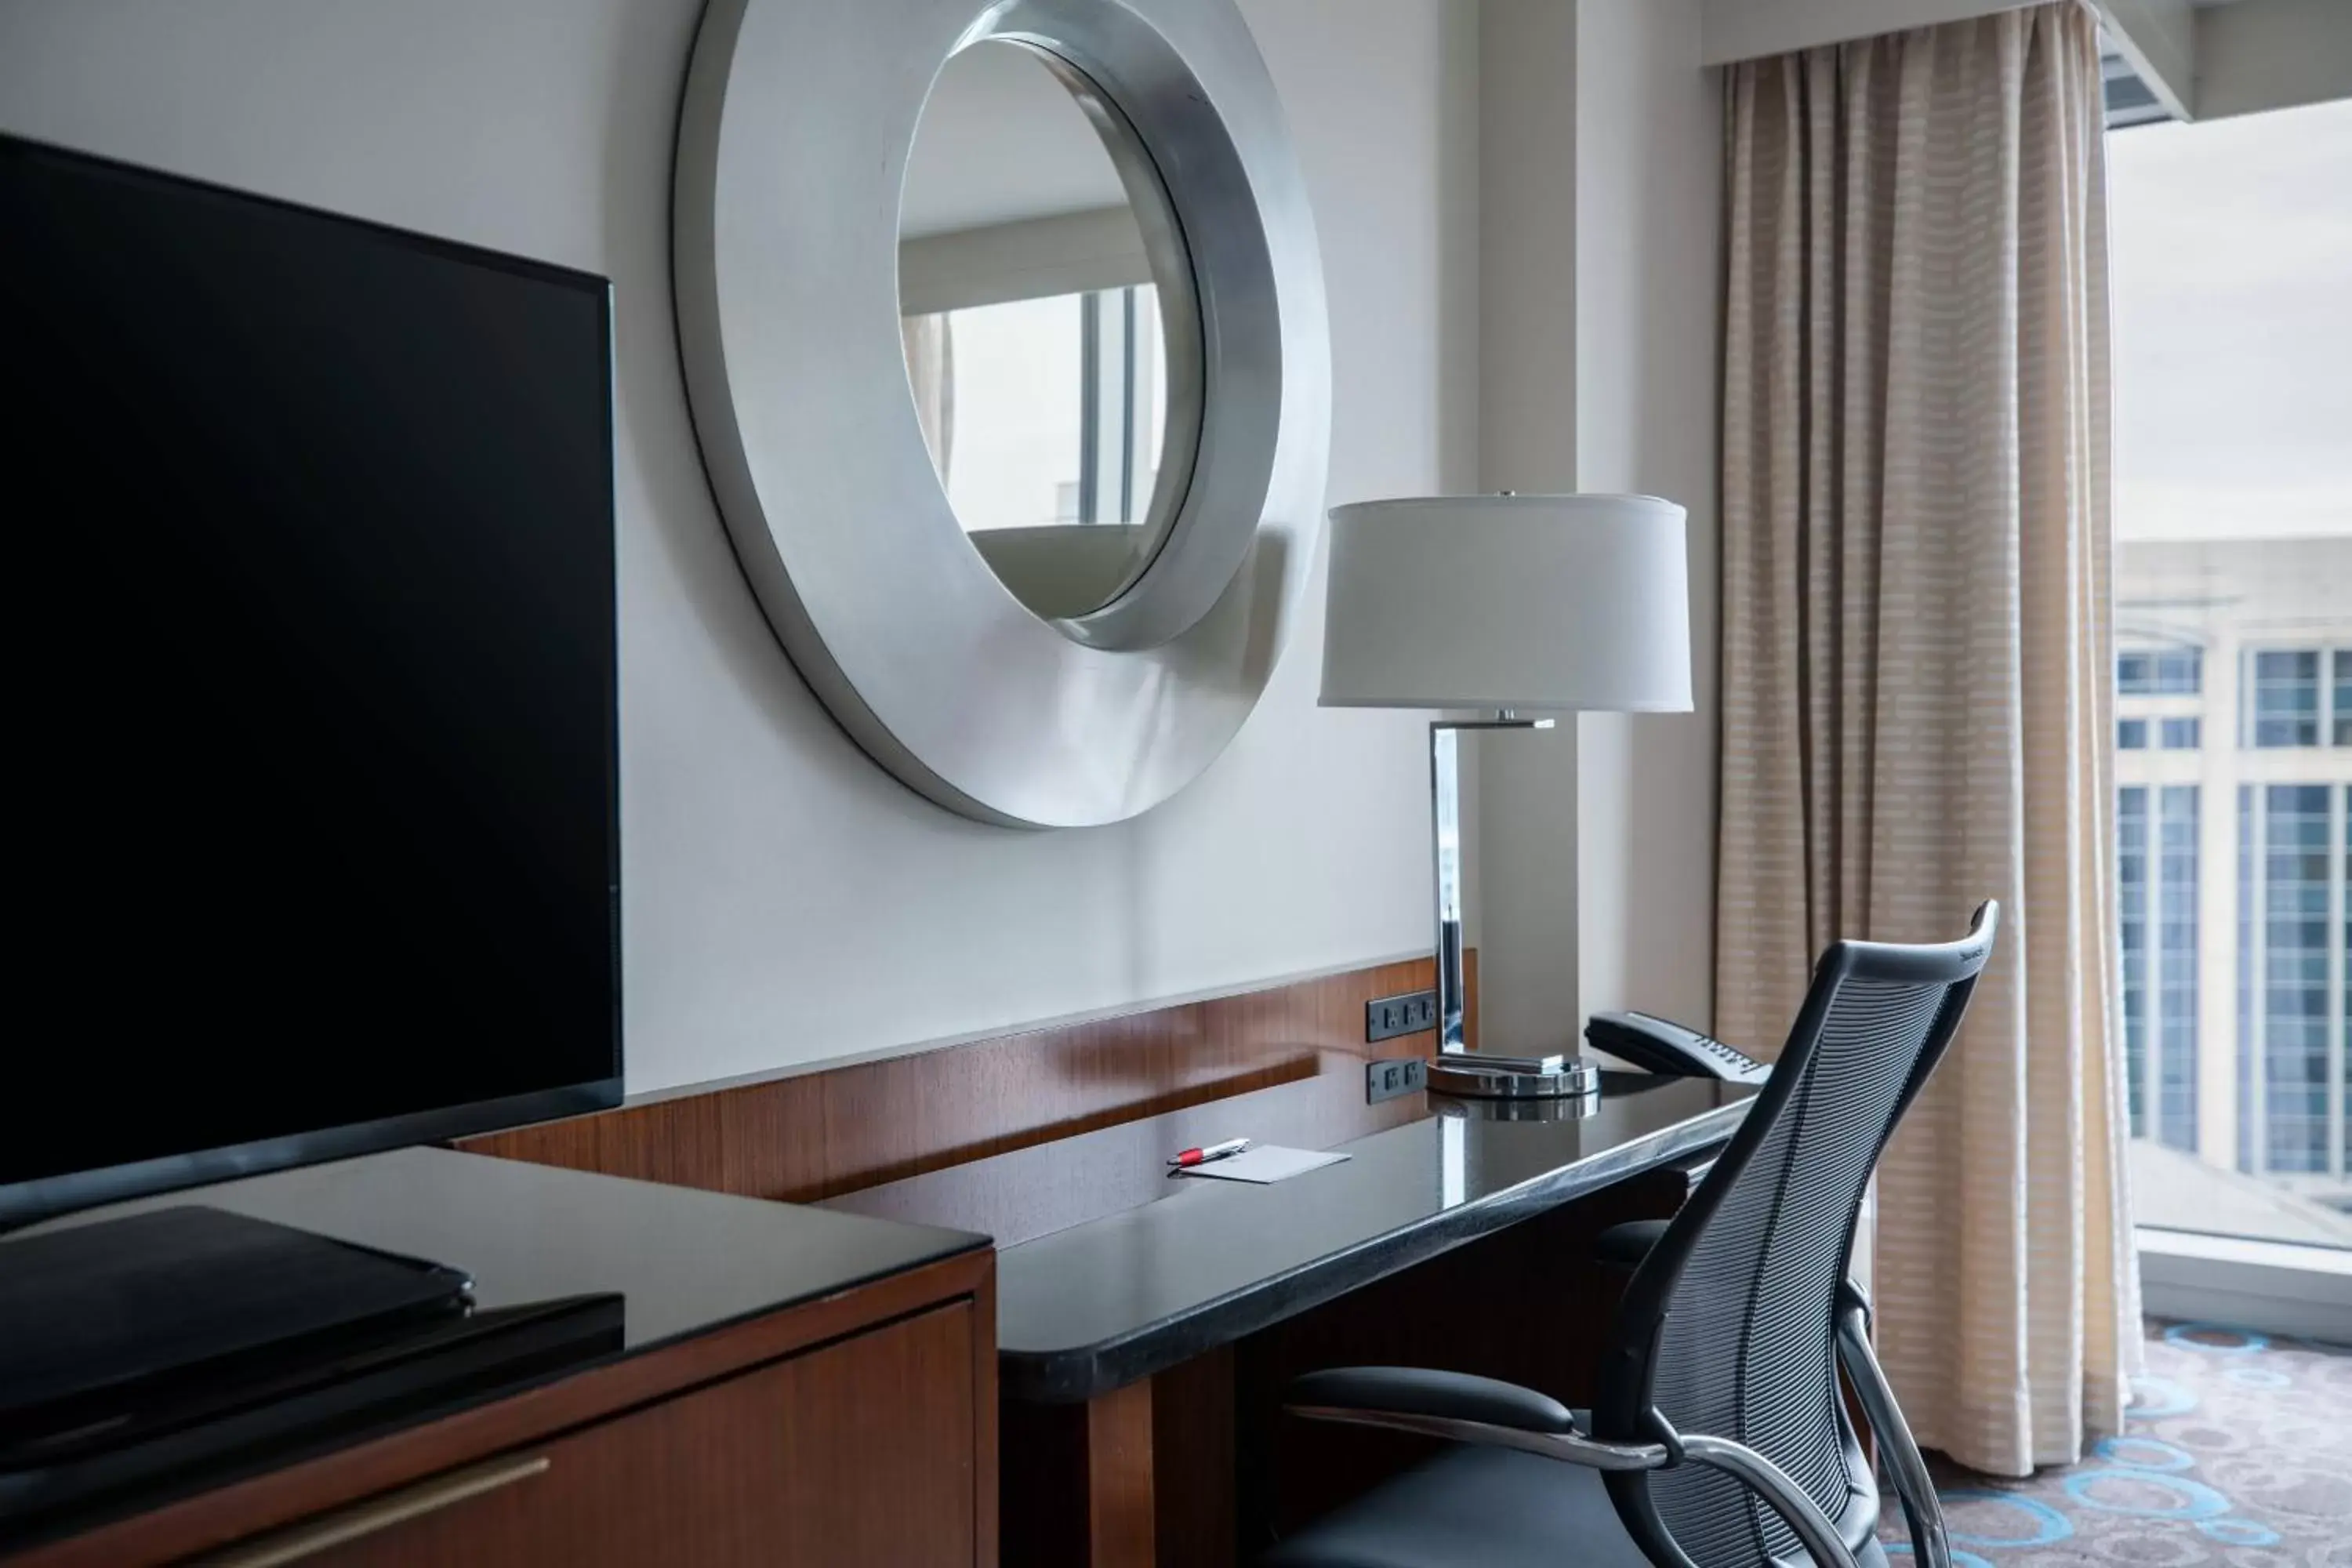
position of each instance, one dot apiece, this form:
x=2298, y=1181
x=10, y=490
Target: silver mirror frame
x=793, y=145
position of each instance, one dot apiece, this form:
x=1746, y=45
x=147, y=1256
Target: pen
x=1214, y=1152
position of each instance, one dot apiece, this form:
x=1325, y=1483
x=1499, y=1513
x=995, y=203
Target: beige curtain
x=1915, y=677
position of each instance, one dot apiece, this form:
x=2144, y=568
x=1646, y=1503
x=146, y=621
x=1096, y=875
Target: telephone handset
x=1670, y=1048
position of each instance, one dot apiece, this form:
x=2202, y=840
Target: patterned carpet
x=2237, y=1453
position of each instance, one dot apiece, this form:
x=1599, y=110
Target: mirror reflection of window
x=1034, y=247
x=1057, y=401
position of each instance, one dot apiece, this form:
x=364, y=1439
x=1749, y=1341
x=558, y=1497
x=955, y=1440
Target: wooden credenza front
x=858, y=1452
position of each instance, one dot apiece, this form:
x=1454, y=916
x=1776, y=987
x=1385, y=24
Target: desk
x=1136, y=1314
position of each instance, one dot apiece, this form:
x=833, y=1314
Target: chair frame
x=1627, y=1366
x=1813, y=1527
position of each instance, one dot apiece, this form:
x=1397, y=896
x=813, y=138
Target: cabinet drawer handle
x=291, y=1545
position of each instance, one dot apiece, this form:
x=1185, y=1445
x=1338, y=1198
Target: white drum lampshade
x=1526, y=603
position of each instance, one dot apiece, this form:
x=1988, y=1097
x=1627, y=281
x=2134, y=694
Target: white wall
x=785, y=901
x=1526, y=872
x=1599, y=262
x=1649, y=159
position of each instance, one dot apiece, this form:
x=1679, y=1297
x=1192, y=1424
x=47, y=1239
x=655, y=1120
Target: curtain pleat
x=1917, y=708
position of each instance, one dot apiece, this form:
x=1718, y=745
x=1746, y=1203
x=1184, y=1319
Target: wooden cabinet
x=859, y=1452
x=801, y=1388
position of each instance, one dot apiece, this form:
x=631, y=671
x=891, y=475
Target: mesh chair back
x=1728, y=1327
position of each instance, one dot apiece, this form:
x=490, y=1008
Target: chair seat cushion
x=1478, y=1507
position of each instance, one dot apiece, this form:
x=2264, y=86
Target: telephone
x=1670, y=1049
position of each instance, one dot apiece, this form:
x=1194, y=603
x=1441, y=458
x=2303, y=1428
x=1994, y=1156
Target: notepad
x=1266, y=1163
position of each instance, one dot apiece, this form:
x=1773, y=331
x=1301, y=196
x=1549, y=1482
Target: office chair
x=1719, y=1438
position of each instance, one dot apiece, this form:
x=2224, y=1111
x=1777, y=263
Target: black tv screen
x=313, y=688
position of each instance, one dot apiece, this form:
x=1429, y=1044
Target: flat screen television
x=313, y=694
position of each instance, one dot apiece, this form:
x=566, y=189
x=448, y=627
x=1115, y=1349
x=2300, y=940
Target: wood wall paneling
x=802, y=1136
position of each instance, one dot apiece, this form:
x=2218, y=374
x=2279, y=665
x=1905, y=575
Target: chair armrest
x=1419, y=1390
x=1492, y=1414
x=1923, y=1511
x=1464, y=1409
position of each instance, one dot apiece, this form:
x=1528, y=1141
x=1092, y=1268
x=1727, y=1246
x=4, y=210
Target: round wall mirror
x=1003, y=328
x=1052, y=341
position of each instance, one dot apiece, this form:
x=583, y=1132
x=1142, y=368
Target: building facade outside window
x=2294, y=1053
x=2160, y=672
x=2285, y=711
x=2343, y=727
x=2232, y=863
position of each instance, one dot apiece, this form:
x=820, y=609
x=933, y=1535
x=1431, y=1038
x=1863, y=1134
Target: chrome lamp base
x=1454, y=1069
x=1475, y=1075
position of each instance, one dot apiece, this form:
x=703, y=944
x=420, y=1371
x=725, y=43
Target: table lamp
x=1511, y=606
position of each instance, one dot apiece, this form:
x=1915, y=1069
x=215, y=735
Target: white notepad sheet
x=1267, y=1162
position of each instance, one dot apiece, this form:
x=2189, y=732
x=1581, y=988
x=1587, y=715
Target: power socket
x=1388, y=1080
x=1390, y=1017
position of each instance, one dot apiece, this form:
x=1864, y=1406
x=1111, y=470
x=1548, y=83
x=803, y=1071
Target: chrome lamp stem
x=1457, y=1069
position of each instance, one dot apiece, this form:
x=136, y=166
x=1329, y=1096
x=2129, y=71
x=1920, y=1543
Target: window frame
x=2156, y=683
x=2335, y=715
x=2256, y=980
x=2331, y=680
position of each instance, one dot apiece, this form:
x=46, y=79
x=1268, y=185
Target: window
x=2283, y=1122
x=1052, y=408
x=2156, y=868
x=2232, y=611
x=2160, y=672
x=2285, y=700
x=2286, y=841
x=2176, y=951
x=2344, y=696
x=2131, y=901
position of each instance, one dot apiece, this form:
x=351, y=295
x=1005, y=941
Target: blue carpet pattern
x=2236, y=1453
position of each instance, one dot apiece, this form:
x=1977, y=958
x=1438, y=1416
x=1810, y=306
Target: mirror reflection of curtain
x=930, y=343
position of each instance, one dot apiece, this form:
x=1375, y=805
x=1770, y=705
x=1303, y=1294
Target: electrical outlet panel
x=1390, y=1017
x=1388, y=1080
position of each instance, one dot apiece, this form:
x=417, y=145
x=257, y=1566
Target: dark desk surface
x=1111, y=1271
